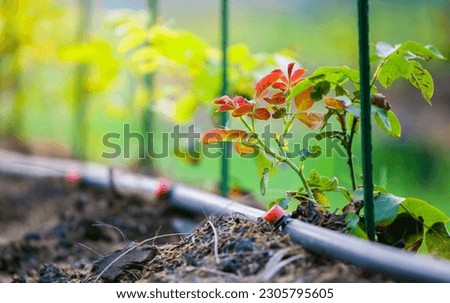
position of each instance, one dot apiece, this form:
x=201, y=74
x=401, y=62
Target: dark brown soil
x=51, y=231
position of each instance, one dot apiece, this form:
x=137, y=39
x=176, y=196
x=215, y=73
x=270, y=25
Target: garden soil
x=51, y=231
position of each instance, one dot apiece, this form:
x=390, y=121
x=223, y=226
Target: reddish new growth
x=239, y=107
x=278, y=83
x=270, y=96
x=163, y=187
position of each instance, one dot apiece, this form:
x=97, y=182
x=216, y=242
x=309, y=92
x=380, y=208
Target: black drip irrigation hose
x=393, y=262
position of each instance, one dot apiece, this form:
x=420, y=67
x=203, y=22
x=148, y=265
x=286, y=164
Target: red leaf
x=261, y=114
x=289, y=70
x=267, y=81
x=234, y=134
x=224, y=108
x=277, y=99
x=243, y=149
x=242, y=110
x=219, y=134
x=280, y=85
x=274, y=214
x=297, y=77
x=222, y=100
x=239, y=101
x=213, y=136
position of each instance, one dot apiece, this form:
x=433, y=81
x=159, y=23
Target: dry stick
x=280, y=266
x=214, y=271
x=90, y=249
x=133, y=247
x=125, y=239
x=216, y=243
x=274, y=265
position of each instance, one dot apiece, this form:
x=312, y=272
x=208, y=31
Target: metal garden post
x=366, y=128
x=226, y=146
x=148, y=114
x=80, y=140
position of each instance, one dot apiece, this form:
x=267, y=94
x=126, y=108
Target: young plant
x=289, y=96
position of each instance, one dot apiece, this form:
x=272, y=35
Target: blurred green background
x=315, y=32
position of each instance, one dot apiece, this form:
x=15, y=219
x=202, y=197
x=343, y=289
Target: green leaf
x=386, y=208
x=264, y=181
x=419, y=208
x=352, y=224
x=396, y=66
x=435, y=51
x=340, y=91
x=336, y=74
x=284, y=202
x=329, y=184
x=320, y=197
x=314, y=177
x=404, y=232
x=420, y=78
x=279, y=113
x=310, y=152
x=262, y=162
x=395, y=126
x=381, y=116
x=437, y=239
x=418, y=50
x=319, y=90
x=344, y=192
x=322, y=183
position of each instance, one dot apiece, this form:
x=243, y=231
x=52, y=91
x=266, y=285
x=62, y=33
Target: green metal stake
x=226, y=146
x=148, y=114
x=366, y=128
x=80, y=138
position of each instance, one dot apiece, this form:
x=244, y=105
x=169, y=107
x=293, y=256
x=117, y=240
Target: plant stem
x=305, y=183
x=148, y=114
x=377, y=71
x=80, y=141
x=350, y=153
x=276, y=156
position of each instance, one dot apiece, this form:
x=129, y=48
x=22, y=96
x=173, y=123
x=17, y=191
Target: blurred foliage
x=188, y=68
x=25, y=40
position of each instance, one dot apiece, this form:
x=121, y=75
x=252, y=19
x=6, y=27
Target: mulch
x=51, y=231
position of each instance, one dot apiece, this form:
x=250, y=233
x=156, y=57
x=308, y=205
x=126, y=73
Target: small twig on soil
x=214, y=271
x=216, y=243
x=274, y=265
x=133, y=247
x=125, y=239
x=90, y=249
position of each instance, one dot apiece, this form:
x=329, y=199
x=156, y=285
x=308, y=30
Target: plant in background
x=25, y=27
x=290, y=96
x=184, y=62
